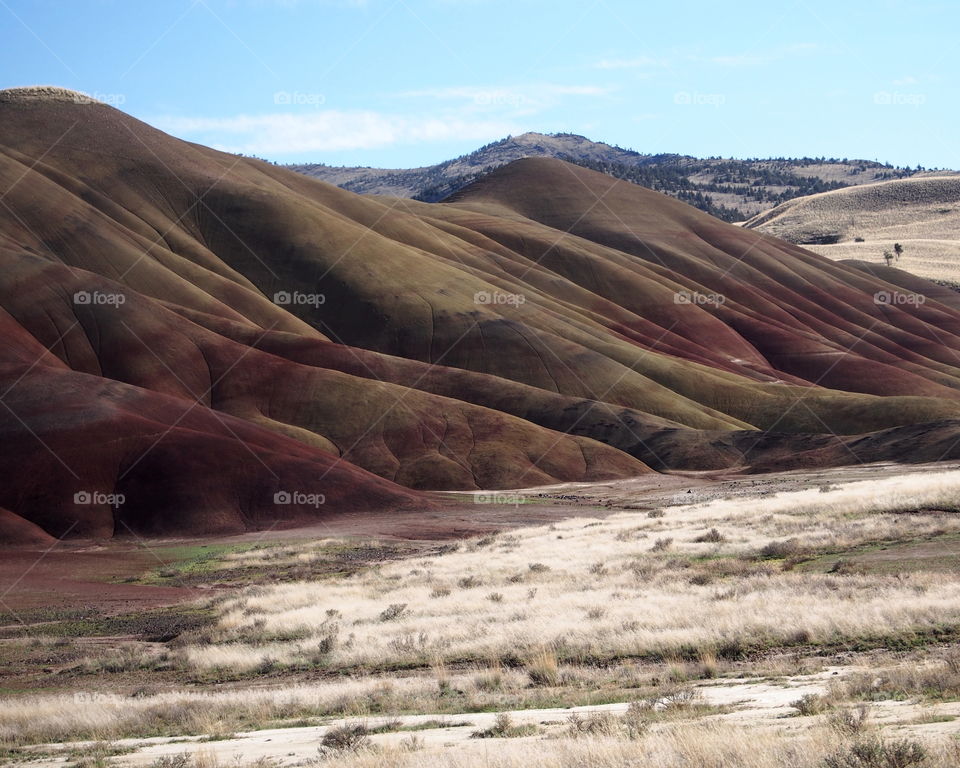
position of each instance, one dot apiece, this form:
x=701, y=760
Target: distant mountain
x=732, y=190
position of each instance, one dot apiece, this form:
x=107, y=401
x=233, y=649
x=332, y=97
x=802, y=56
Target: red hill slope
x=190, y=338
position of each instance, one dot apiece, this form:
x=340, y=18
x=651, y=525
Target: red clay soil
x=33, y=583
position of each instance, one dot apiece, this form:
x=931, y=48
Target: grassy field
x=919, y=213
x=929, y=258
x=662, y=623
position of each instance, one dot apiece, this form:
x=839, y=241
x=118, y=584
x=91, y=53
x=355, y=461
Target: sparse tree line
x=768, y=181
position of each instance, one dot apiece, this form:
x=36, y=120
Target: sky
x=403, y=83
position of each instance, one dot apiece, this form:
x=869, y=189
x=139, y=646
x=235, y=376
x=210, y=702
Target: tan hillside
x=920, y=213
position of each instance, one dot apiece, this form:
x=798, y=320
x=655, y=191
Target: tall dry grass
x=590, y=590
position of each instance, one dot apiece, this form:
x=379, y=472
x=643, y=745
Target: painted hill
x=920, y=213
x=731, y=189
x=195, y=342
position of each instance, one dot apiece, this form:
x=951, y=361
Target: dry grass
x=937, y=679
x=569, y=598
x=920, y=207
x=590, y=591
x=921, y=214
x=702, y=745
x=930, y=258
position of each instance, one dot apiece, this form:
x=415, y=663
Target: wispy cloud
x=327, y=131
x=475, y=113
x=739, y=59
x=522, y=98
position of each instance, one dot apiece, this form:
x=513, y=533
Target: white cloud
x=327, y=131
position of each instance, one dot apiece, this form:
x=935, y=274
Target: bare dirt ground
x=751, y=702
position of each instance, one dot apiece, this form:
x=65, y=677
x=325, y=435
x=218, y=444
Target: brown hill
x=193, y=333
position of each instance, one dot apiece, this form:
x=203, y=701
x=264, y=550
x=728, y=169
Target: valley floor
x=796, y=619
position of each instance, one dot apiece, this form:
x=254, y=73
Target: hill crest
x=731, y=189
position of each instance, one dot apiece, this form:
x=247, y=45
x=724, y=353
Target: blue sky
x=400, y=83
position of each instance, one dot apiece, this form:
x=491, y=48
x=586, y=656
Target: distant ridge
x=732, y=190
